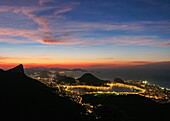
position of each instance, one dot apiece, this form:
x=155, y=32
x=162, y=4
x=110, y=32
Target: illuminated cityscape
x=142, y=87
x=76, y=90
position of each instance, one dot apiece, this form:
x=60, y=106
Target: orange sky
x=8, y=62
x=70, y=62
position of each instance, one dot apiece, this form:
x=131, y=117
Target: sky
x=84, y=33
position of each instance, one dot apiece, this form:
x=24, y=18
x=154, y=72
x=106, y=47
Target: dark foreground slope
x=26, y=99
x=129, y=108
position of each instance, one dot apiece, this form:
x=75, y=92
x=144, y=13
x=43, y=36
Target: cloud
x=41, y=2
x=35, y=36
x=90, y=44
x=5, y=8
x=50, y=37
x=41, y=20
x=10, y=32
x=134, y=64
x=30, y=11
x=4, y=58
x=67, y=8
x=138, y=26
x=86, y=26
x=32, y=34
x=52, y=31
x=65, y=35
x=62, y=11
x=48, y=40
x=164, y=45
x=15, y=41
x=133, y=40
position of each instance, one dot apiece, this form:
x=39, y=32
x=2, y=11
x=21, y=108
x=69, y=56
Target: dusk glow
x=83, y=33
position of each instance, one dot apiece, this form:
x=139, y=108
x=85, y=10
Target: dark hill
x=65, y=79
x=68, y=80
x=128, y=108
x=26, y=99
x=118, y=80
x=1, y=70
x=17, y=69
x=90, y=79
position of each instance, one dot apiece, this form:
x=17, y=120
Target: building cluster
x=46, y=77
x=159, y=94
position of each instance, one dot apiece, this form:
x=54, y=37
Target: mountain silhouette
x=17, y=69
x=65, y=79
x=118, y=80
x=25, y=99
x=90, y=79
x=1, y=70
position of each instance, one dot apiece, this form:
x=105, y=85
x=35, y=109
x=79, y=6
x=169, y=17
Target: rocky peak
x=17, y=69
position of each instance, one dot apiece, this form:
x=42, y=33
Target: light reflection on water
x=115, y=89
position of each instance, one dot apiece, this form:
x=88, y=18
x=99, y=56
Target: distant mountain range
x=138, y=65
x=87, y=79
x=155, y=65
x=53, y=69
